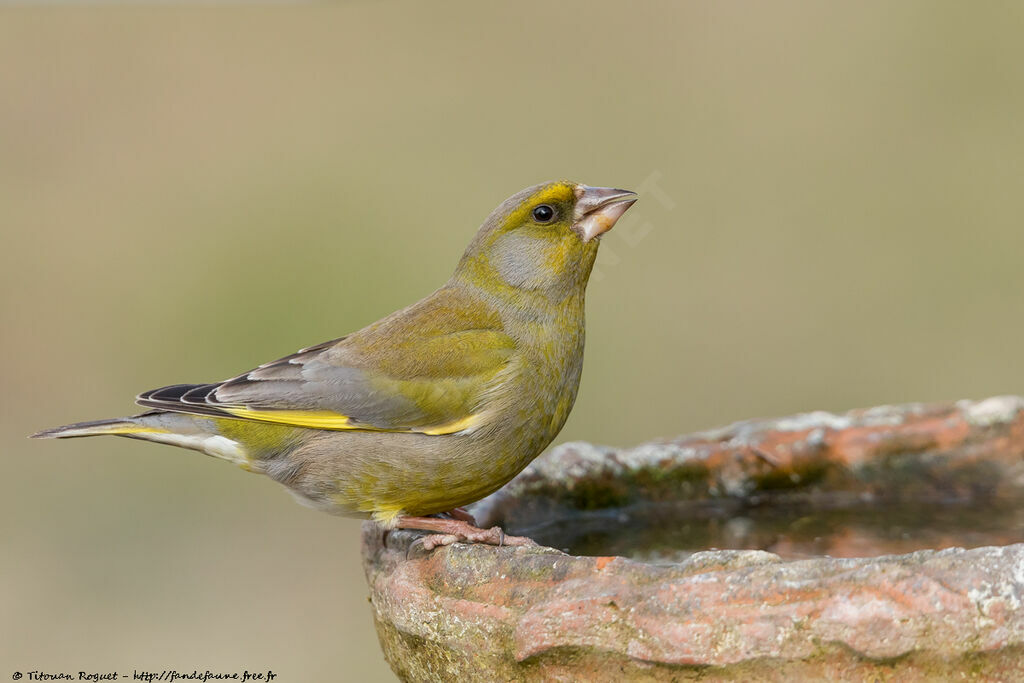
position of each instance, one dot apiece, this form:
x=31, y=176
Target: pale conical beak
x=598, y=208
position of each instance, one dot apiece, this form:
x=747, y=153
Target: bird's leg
x=461, y=513
x=448, y=531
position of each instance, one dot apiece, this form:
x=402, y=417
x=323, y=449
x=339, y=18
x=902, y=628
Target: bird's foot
x=448, y=531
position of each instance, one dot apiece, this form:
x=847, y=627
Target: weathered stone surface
x=954, y=452
x=484, y=613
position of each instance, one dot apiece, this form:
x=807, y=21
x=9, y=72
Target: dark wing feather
x=172, y=398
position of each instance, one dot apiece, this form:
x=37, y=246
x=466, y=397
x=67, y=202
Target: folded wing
x=426, y=369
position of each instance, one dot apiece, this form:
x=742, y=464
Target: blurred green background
x=831, y=218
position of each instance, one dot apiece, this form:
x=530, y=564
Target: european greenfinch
x=430, y=408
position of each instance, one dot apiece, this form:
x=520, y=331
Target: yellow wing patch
x=453, y=427
x=326, y=419
x=316, y=419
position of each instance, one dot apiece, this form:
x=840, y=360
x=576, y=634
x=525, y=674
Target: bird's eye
x=543, y=214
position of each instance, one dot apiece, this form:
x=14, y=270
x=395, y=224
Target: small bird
x=430, y=408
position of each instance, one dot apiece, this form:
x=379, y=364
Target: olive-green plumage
x=430, y=408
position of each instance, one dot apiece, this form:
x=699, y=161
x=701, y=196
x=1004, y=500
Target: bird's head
x=543, y=238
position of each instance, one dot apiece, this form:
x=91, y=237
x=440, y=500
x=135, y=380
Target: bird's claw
x=427, y=543
x=436, y=540
x=448, y=531
x=493, y=536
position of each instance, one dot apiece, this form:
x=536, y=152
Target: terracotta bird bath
x=881, y=544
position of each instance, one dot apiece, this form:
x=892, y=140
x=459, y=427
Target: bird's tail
x=197, y=432
x=119, y=426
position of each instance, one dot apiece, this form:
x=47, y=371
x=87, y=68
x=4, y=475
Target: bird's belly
x=370, y=473
x=362, y=473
